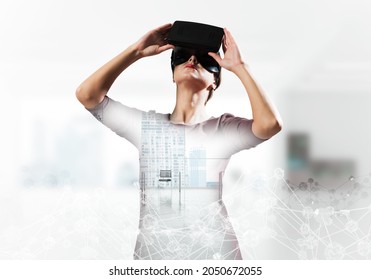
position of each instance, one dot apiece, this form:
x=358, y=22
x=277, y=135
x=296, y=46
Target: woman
x=183, y=155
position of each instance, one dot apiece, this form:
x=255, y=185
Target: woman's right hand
x=154, y=41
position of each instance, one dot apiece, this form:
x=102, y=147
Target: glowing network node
x=351, y=226
x=149, y=221
x=364, y=248
x=334, y=251
x=305, y=229
x=279, y=173
x=308, y=212
x=217, y=256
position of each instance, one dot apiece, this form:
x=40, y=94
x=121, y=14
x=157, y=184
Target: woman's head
x=201, y=61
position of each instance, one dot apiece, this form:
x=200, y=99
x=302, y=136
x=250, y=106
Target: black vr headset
x=191, y=38
x=197, y=36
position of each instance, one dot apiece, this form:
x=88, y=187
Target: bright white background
x=312, y=57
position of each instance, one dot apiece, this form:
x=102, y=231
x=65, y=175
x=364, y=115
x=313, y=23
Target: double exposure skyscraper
x=197, y=167
x=162, y=148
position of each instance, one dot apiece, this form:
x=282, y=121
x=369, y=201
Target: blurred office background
x=68, y=185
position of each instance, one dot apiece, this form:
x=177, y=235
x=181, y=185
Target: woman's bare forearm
x=267, y=121
x=92, y=91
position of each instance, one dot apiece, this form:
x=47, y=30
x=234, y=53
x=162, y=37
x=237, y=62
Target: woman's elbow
x=86, y=98
x=80, y=95
x=276, y=126
x=268, y=129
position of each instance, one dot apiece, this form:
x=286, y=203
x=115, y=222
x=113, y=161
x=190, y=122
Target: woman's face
x=192, y=71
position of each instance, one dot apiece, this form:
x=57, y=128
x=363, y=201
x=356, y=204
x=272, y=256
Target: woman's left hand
x=232, y=57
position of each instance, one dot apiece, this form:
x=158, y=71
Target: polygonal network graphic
x=271, y=218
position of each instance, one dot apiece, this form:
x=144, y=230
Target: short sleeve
x=238, y=132
x=123, y=120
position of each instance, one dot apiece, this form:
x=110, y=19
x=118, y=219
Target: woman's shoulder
x=228, y=118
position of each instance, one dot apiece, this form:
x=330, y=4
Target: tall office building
x=197, y=167
x=162, y=152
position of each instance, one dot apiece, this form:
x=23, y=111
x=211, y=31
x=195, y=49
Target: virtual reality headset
x=196, y=36
x=192, y=38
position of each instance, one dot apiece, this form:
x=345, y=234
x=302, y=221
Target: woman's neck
x=190, y=107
